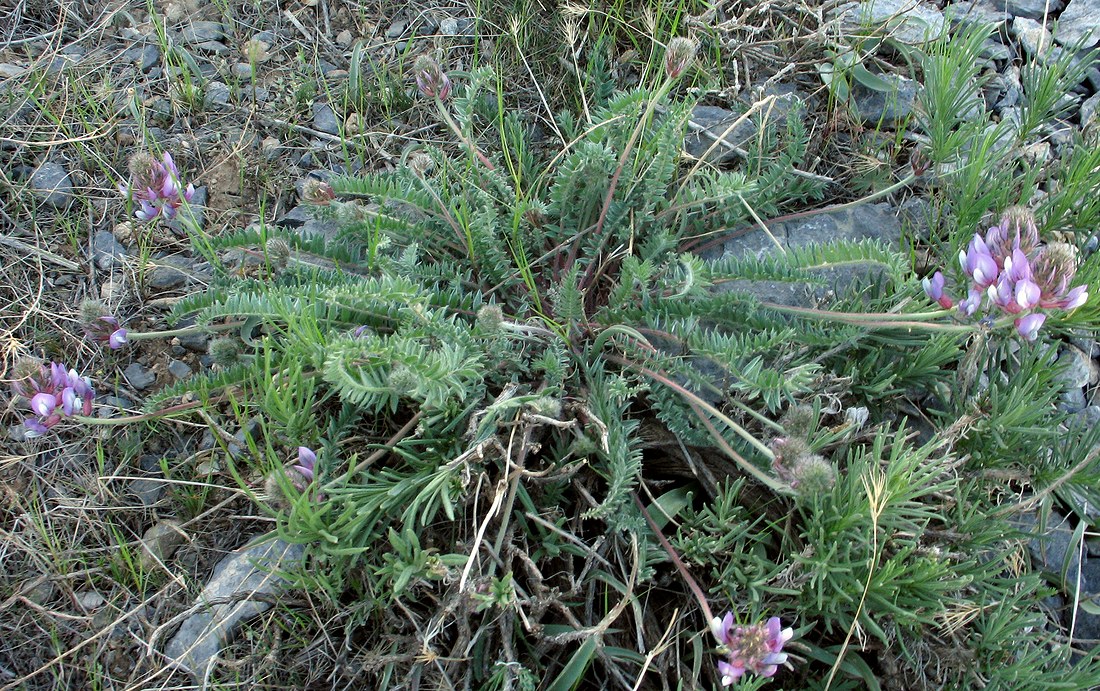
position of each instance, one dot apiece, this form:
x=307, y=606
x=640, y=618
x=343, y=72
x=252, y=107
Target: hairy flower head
x=679, y=55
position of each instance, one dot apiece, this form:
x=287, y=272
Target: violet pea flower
x=933, y=288
x=1028, y=326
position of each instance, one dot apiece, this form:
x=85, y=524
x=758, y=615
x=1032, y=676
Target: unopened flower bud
x=225, y=352
x=489, y=318
x=919, y=162
x=421, y=164
x=278, y=252
x=678, y=56
x=432, y=81
x=317, y=192
x=813, y=475
x=798, y=420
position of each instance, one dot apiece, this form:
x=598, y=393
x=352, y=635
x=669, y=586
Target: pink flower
x=757, y=648
x=431, y=80
x=1028, y=327
x=306, y=460
x=52, y=394
x=155, y=187
x=978, y=263
x=933, y=288
x=105, y=329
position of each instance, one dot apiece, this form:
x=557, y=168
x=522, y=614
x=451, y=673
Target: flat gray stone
x=216, y=95
x=710, y=123
x=1033, y=37
x=238, y=577
x=324, y=119
x=906, y=21
x=887, y=107
x=970, y=12
x=168, y=274
x=864, y=222
x=179, y=369
x=301, y=221
x=1032, y=9
x=51, y=183
x=107, y=252
x=159, y=543
x=138, y=376
x=212, y=47
x=1076, y=369
x=200, y=32
x=1089, y=108
x=10, y=71
x=1080, y=21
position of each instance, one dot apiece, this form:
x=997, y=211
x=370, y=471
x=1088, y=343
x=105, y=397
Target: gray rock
x=242, y=71
x=1080, y=21
x=887, y=107
x=968, y=12
x=993, y=49
x=200, y=32
x=300, y=220
x=148, y=491
x=708, y=124
x=1089, y=416
x=449, y=27
x=179, y=369
x=169, y=273
x=212, y=47
x=324, y=119
x=1073, y=401
x=89, y=600
x=242, y=575
x=396, y=29
x=107, y=252
x=1033, y=9
x=1076, y=369
x=876, y=221
x=1089, y=108
x=145, y=57
x=138, y=376
x=160, y=542
x=907, y=21
x=50, y=183
x=1092, y=76
x=10, y=71
x=196, y=343
x=216, y=96
x=1033, y=36
x=864, y=222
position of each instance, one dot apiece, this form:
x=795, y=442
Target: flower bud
x=431, y=79
x=225, y=352
x=813, y=475
x=678, y=56
x=489, y=318
x=317, y=192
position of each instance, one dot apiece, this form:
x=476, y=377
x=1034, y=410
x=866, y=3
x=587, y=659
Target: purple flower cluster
x=431, y=80
x=757, y=648
x=155, y=186
x=105, y=329
x=306, y=460
x=1012, y=273
x=53, y=393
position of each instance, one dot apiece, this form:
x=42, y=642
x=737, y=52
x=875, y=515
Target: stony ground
x=251, y=97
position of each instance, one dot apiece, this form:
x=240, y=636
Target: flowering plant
x=155, y=186
x=1012, y=273
x=52, y=393
x=757, y=648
